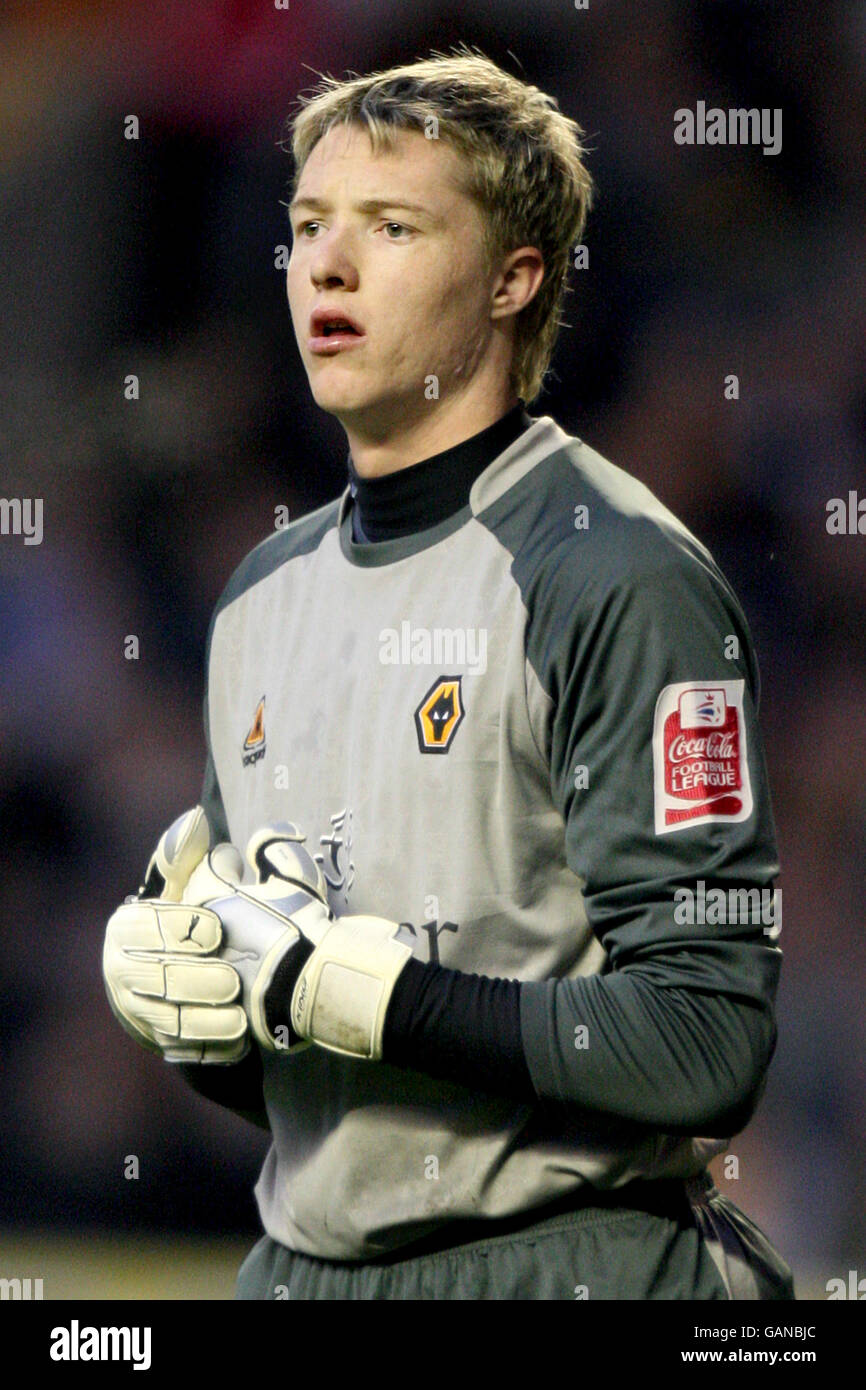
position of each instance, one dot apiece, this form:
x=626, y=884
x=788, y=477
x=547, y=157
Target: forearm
x=680, y=1058
x=676, y=1058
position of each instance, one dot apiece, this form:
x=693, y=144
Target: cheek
x=447, y=308
x=459, y=326
x=462, y=292
x=293, y=290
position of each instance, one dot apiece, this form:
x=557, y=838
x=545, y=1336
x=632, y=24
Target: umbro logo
x=254, y=743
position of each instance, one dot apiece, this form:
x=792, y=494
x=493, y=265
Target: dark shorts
x=660, y=1240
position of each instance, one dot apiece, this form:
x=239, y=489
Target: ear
x=518, y=282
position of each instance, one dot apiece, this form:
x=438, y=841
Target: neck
x=439, y=428
x=424, y=494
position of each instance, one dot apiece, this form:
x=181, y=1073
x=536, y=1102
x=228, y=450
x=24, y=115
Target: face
x=391, y=242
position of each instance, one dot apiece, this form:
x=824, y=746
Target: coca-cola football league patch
x=700, y=759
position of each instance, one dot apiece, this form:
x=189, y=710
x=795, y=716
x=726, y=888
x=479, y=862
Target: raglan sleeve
x=658, y=771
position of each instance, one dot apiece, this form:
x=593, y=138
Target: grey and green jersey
x=529, y=734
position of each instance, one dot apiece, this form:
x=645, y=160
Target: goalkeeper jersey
x=529, y=734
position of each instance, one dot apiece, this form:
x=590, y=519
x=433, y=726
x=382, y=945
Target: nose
x=334, y=264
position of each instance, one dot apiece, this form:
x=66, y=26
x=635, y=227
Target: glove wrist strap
x=341, y=997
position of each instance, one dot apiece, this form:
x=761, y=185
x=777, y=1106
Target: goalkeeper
x=485, y=730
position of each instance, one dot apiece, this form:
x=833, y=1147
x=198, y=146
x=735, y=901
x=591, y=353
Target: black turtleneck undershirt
x=423, y=494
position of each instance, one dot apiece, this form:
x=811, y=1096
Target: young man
x=511, y=703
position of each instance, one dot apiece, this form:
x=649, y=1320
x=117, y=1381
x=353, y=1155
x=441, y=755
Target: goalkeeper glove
x=307, y=977
x=165, y=982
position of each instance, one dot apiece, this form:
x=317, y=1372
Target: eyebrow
x=366, y=205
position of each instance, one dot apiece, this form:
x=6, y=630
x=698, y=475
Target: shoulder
x=289, y=543
x=592, y=546
x=561, y=508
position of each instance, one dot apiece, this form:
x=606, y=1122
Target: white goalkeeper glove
x=307, y=977
x=163, y=976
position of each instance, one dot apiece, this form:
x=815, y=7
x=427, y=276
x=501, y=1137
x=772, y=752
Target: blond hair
x=523, y=161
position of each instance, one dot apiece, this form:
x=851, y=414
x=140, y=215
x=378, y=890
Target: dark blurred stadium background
x=156, y=257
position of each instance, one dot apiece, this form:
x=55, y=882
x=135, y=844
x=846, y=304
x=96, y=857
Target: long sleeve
x=678, y=1030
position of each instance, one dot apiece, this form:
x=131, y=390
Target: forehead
x=345, y=156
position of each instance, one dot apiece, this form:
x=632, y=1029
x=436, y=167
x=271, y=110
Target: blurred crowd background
x=156, y=256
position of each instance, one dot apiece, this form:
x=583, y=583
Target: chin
x=336, y=401
x=345, y=397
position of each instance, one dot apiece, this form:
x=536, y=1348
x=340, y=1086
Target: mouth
x=332, y=332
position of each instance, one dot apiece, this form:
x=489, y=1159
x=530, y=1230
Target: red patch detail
x=701, y=771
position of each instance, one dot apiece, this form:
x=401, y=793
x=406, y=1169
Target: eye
x=304, y=227
x=389, y=228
